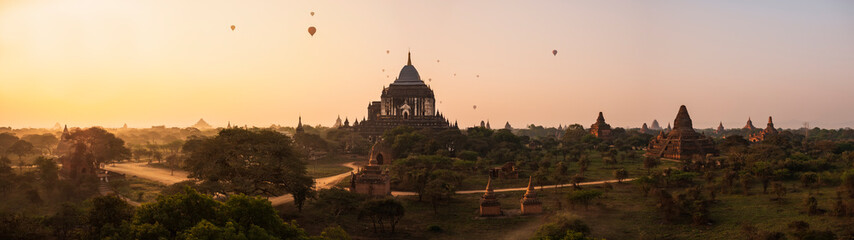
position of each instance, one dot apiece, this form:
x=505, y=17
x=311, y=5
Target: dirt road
x=166, y=176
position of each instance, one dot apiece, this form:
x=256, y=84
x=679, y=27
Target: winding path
x=166, y=176
x=163, y=176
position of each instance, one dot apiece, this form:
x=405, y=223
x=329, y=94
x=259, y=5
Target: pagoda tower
x=299, y=126
x=682, y=143
x=767, y=132
x=371, y=180
x=600, y=129
x=489, y=205
x=749, y=126
x=530, y=204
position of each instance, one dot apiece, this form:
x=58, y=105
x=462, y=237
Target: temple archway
x=379, y=159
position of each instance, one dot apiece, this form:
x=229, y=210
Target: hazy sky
x=152, y=62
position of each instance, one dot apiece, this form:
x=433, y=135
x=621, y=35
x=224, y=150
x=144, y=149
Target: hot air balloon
x=554, y=52
x=437, y=60
x=474, y=107
x=387, y=51
x=312, y=30
x=455, y=74
x=312, y=13
x=383, y=69
x=429, y=79
x=478, y=76
x=232, y=27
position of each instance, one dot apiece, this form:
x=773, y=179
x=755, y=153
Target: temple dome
x=408, y=74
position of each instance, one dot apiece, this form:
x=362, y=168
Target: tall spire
x=408, y=58
x=600, y=118
x=530, y=186
x=683, y=120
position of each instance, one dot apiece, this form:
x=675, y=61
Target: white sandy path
x=396, y=193
x=163, y=176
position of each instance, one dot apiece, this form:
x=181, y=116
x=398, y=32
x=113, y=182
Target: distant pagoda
x=201, y=124
x=720, y=128
x=644, y=129
x=749, y=126
x=682, y=143
x=655, y=125
x=507, y=126
x=767, y=132
x=600, y=129
x=299, y=128
x=338, y=122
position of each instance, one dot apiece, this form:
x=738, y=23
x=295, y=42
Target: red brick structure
x=600, y=129
x=767, y=132
x=529, y=202
x=489, y=205
x=371, y=180
x=682, y=142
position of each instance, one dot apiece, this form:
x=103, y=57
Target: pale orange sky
x=152, y=62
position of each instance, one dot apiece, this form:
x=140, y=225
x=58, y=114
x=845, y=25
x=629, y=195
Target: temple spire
x=489, y=186
x=530, y=185
x=408, y=58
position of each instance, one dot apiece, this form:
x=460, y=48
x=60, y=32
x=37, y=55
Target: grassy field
x=622, y=213
x=456, y=219
x=132, y=187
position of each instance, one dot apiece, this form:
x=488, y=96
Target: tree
x=438, y=189
x=334, y=233
x=621, y=174
x=310, y=143
x=811, y=206
x=381, y=211
x=108, y=212
x=21, y=148
x=191, y=215
x=68, y=223
x=415, y=172
x=6, y=141
x=560, y=173
x=650, y=162
x=848, y=182
x=809, y=180
x=583, y=164
x=779, y=190
x=584, y=196
x=48, y=171
x=102, y=146
x=645, y=183
x=563, y=228
x=250, y=162
x=337, y=200
x=46, y=142
x=746, y=183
